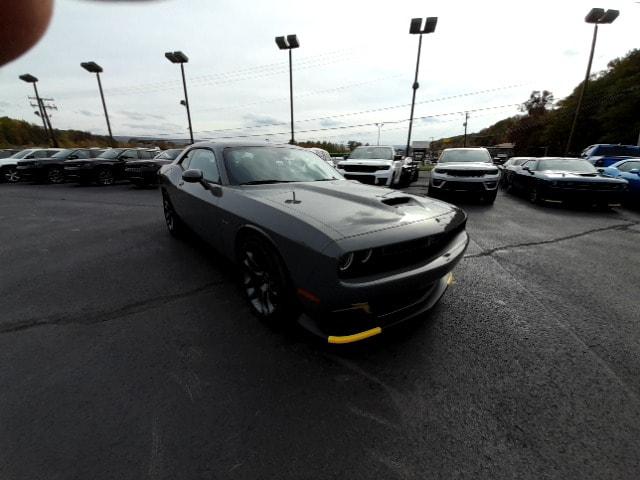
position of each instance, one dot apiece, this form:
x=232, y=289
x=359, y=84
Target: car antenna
x=293, y=200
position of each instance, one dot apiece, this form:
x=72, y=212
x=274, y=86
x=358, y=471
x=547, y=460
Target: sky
x=354, y=68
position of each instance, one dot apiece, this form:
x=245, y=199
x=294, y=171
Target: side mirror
x=397, y=157
x=600, y=170
x=192, y=176
x=527, y=169
x=72, y=157
x=345, y=156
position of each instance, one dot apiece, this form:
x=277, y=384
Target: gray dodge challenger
x=347, y=260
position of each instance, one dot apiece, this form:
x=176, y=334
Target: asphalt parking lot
x=127, y=354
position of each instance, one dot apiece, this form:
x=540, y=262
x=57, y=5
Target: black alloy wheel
x=105, y=176
x=264, y=282
x=174, y=224
x=55, y=175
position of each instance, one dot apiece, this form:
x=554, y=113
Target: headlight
x=345, y=262
x=364, y=256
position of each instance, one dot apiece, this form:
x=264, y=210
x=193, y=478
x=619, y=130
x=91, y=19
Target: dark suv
x=107, y=167
x=145, y=172
x=51, y=169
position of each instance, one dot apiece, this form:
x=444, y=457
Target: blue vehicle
x=604, y=155
x=629, y=170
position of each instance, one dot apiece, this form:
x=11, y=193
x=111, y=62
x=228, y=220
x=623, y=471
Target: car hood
x=465, y=165
x=345, y=209
x=365, y=161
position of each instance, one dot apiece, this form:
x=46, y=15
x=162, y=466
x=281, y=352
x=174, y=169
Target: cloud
x=328, y=123
x=257, y=119
x=570, y=52
x=87, y=113
x=133, y=115
x=154, y=128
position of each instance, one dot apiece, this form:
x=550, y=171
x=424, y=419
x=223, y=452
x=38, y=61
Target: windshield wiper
x=325, y=179
x=265, y=182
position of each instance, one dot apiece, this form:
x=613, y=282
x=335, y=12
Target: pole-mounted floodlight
x=93, y=67
x=417, y=28
x=596, y=16
x=181, y=58
x=46, y=122
x=289, y=43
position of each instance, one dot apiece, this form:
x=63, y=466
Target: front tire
x=11, y=175
x=55, y=175
x=264, y=281
x=105, y=177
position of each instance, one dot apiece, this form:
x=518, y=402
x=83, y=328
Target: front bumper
x=80, y=173
x=364, y=308
x=464, y=184
x=378, y=177
x=142, y=174
x=583, y=196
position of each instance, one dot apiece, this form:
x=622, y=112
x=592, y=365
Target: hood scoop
x=395, y=201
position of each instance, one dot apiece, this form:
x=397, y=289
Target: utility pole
x=466, y=120
x=379, y=125
x=46, y=118
x=40, y=113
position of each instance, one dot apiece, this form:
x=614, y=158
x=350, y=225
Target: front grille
x=467, y=186
x=133, y=170
x=590, y=185
x=363, y=168
x=368, y=179
x=468, y=173
x=405, y=254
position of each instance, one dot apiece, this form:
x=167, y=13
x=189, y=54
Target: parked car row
x=379, y=165
x=86, y=165
x=571, y=180
x=545, y=179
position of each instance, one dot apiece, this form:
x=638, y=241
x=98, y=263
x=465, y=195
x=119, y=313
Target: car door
x=123, y=158
x=517, y=175
x=200, y=200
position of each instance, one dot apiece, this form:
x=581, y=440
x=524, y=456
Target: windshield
x=169, y=154
x=617, y=151
x=62, y=153
x=567, y=165
x=480, y=155
x=113, y=153
x=256, y=165
x=372, y=153
x=22, y=154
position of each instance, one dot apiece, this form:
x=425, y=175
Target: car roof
x=464, y=148
x=222, y=145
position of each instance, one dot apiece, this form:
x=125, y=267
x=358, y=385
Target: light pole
x=289, y=43
x=416, y=29
x=93, y=67
x=41, y=108
x=597, y=16
x=181, y=58
x=466, y=120
x=379, y=125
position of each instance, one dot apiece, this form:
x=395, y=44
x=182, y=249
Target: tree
x=538, y=103
x=352, y=144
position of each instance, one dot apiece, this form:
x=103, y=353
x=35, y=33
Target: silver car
x=345, y=259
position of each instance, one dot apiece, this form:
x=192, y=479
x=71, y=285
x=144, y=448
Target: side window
x=81, y=154
x=95, y=153
x=186, y=159
x=531, y=164
x=41, y=154
x=628, y=166
x=205, y=160
x=129, y=155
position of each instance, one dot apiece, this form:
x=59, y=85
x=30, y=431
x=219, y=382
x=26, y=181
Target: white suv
x=373, y=165
x=469, y=170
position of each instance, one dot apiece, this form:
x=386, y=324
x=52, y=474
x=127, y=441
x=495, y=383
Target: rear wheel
x=55, y=175
x=105, y=177
x=11, y=175
x=171, y=218
x=264, y=281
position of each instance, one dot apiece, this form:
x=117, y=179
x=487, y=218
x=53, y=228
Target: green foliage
x=609, y=114
x=328, y=146
x=18, y=133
